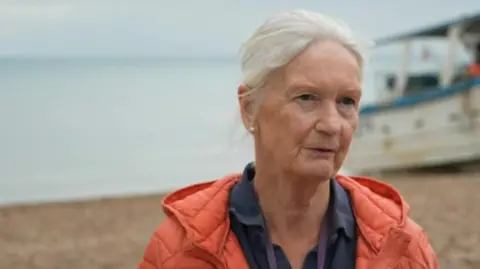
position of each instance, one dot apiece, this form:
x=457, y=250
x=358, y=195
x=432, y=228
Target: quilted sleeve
x=426, y=252
x=160, y=250
x=150, y=260
x=421, y=253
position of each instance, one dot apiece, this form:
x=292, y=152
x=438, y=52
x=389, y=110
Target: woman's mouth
x=322, y=152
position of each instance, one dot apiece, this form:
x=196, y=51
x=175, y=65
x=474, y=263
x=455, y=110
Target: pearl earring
x=251, y=129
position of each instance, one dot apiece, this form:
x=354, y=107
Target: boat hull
x=432, y=132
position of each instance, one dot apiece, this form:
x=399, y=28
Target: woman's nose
x=329, y=120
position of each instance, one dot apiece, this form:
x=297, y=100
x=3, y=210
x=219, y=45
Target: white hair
x=284, y=36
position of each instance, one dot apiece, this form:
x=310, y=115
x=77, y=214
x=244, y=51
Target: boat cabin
x=463, y=33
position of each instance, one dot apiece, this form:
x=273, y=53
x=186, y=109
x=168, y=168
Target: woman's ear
x=246, y=106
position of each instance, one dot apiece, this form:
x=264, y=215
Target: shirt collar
x=245, y=207
x=243, y=199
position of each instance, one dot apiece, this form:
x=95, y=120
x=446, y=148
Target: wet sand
x=112, y=233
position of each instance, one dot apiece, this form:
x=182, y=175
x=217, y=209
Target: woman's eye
x=348, y=101
x=306, y=97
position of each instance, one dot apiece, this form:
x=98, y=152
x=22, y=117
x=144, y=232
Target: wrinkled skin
x=308, y=112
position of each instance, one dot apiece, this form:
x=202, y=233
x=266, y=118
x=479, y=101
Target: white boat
x=426, y=119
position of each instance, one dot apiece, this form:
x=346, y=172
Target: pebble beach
x=112, y=233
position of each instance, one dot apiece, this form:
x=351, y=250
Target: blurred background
x=106, y=105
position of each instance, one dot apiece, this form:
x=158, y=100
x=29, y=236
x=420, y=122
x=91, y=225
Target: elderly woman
x=290, y=208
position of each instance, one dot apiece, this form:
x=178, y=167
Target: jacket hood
x=379, y=208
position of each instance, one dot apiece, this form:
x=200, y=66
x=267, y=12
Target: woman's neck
x=293, y=207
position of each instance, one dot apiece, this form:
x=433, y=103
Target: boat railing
x=421, y=97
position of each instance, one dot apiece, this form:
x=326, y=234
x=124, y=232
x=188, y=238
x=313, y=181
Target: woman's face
x=308, y=112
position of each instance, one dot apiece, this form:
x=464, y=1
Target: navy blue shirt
x=248, y=225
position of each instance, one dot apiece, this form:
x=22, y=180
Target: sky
x=189, y=27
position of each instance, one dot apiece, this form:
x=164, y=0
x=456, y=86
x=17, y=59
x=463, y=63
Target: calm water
x=79, y=128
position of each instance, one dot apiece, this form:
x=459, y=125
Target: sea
x=81, y=128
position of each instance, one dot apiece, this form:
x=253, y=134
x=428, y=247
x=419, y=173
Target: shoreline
x=112, y=232
x=81, y=200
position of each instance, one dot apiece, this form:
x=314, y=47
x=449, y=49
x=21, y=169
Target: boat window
x=420, y=83
x=391, y=81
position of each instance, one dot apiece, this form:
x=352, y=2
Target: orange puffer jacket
x=196, y=233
